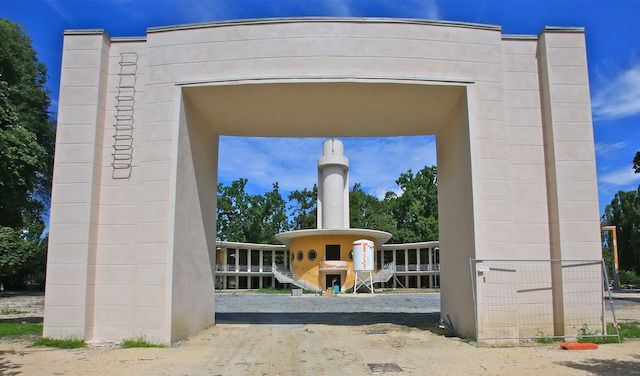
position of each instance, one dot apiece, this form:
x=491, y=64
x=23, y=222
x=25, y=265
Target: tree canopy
x=303, y=205
x=26, y=130
x=243, y=217
x=27, y=139
x=410, y=216
x=624, y=213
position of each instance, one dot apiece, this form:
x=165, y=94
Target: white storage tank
x=363, y=255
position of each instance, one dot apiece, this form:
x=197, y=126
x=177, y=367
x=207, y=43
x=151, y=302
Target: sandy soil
x=314, y=349
x=319, y=350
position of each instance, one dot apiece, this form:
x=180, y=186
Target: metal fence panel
x=524, y=300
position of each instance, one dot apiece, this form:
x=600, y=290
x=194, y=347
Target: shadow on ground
x=424, y=321
x=29, y=319
x=7, y=368
x=607, y=367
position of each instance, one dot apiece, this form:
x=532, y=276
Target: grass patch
x=18, y=329
x=407, y=291
x=139, y=342
x=628, y=330
x=273, y=290
x=546, y=340
x=66, y=343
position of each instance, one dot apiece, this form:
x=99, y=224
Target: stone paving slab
x=346, y=303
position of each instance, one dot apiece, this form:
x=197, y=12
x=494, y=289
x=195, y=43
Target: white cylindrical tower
x=333, y=186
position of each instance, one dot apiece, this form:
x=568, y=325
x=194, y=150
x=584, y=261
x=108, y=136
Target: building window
x=231, y=282
x=413, y=259
x=300, y=255
x=266, y=258
x=424, y=281
x=242, y=283
x=280, y=258
x=255, y=257
x=333, y=252
x=388, y=257
x=312, y=255
x=231, y=257
x=400, y=257
x=424, y=256
x=243, y=258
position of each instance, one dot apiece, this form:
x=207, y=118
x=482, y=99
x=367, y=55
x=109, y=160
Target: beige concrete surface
x=511, y=116
x=319, y=350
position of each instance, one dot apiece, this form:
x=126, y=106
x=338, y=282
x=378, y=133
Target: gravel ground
x=349, y=346
x=347, y=303
x=411, y=310
x=21, y=305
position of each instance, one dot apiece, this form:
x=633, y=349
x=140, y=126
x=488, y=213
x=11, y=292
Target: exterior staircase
x=284, y=276
x=385, y=274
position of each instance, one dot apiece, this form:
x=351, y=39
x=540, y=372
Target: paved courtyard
x=415, y=310
x=392, y=303
x=364, y=330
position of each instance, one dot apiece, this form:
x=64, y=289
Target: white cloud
x=425, y=9
x=619, y=96
x=339, y=8
x=202, y=11
x=429, y=10
x=263, y=161
x=378, y=162
x=292, y=162
x=56, y=6
x=606, y=150
x=620, y=177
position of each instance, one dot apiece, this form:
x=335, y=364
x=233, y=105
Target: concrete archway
x=511, y=116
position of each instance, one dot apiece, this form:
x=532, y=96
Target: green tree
x=303, y=208
x=367, y=211
x=27, y=140
x=233, y=211
x=416, y=209
x=21, y=258
x=26, y=131
x=243, y=217
x=267, y=216
x=624, y=213
x=636, y=163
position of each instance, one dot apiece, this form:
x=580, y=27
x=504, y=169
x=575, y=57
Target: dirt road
x=299, y=347
x=319, y=350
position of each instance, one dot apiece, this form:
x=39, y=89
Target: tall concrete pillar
x=333, y=186
x=73, y=234
x=574, y=226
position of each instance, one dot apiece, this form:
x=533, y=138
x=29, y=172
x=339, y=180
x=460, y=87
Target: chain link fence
x=519, y=301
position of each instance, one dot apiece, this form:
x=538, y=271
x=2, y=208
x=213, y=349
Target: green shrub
x=65, y=343
x=543, y=339
x=629, y=330
x=629, y=277
x=138, y=342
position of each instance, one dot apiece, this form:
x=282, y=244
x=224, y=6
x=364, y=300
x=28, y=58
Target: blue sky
x=613, y=48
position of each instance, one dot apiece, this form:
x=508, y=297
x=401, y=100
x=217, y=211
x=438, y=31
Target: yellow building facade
x=325, y=259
